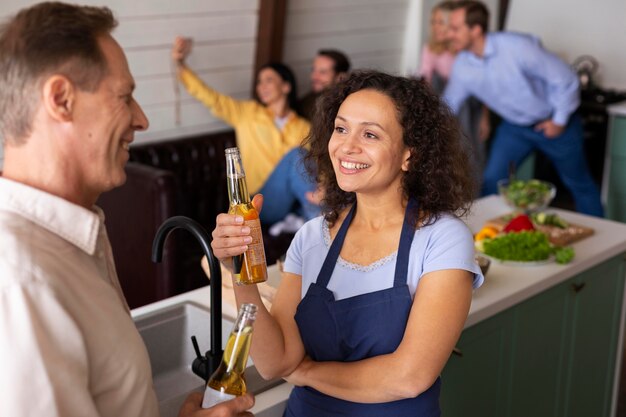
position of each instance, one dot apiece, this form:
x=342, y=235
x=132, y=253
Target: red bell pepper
x=519, y=223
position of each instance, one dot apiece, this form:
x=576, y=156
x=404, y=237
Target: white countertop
x=617, y=108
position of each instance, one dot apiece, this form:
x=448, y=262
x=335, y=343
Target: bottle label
x=213, y=397
x=255, y=252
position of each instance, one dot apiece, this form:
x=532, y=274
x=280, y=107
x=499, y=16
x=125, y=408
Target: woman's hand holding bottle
x=230, y=236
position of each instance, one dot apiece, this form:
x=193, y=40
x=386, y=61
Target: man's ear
x=476, y=32
x=58, y=98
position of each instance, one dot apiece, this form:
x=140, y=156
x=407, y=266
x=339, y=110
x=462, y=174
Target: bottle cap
x=229, y=151
x=249, y=308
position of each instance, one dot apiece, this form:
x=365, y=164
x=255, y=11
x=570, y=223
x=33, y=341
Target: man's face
x=323, y=73
x=105, y=121
x=459, y=34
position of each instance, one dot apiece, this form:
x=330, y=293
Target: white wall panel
x=144, y=32
x=370, y=32
x=147, y=62
x=585, y=28
x=295, y=5
x=320, y=22
x=304, y=49
x=160, y=90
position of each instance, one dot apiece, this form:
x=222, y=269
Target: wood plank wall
x=370, y=32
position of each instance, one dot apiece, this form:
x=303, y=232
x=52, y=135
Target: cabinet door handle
x=456, y=351
x=578, y=287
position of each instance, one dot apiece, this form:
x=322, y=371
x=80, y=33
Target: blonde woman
x=437, y=56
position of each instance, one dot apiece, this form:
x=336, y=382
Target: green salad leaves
x=525, y=246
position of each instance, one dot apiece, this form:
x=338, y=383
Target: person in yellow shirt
x=269, y=133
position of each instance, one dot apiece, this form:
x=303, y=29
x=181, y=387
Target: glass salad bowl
x=526, y=196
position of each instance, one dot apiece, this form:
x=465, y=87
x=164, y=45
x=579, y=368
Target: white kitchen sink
x=167, y=335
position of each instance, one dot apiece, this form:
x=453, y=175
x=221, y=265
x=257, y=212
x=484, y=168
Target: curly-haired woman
x=367, y=331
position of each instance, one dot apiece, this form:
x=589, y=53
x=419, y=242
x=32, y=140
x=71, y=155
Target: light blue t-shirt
x=445, y=244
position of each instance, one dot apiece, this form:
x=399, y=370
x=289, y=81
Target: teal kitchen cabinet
x=614, y=178
x=595, y=306
x=475, y=378
x=551, y=355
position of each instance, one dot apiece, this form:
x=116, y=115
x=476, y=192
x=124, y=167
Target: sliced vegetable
x=519, y=223
x=486, y=232
x=549, y=219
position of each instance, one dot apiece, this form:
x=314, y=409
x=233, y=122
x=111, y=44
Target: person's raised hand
x=181, y=49
x=231, y=236
x=232, y=408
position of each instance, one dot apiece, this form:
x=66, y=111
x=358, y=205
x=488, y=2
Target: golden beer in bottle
x=249, y=267
x=228, y=380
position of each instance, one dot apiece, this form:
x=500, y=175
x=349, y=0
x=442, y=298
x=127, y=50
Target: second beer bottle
x=228, y=380
x=249, y=267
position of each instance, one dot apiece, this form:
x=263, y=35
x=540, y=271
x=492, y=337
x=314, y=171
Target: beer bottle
x=249, y=267
x=228, y=381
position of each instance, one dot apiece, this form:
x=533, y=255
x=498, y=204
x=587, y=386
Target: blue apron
x=357, y=328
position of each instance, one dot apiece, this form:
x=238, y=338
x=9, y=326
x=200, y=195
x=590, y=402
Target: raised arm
x=439, y=311
x=276, y=346
x=225, y=107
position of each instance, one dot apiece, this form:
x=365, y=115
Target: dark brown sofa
x=176, y=177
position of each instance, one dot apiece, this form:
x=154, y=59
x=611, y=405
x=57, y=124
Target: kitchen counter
x=504, y=287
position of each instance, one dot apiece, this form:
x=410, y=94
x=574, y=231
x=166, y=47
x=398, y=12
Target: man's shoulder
x=514, y=39
x=24, y=249
x=16, y=260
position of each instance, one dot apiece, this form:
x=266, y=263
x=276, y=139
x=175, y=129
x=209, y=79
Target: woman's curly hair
x=439, y=175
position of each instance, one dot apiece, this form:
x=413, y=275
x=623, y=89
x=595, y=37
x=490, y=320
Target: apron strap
x=404, y=247
x=335, y=248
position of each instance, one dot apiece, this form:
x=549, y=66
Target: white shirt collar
x=71, y=222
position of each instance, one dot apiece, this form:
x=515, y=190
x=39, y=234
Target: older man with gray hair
x=68, y=346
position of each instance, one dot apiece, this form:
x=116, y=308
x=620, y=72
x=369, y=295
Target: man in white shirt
x=68, y=346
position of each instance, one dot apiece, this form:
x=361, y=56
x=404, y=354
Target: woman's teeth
x=125, y=146
x=353, y=165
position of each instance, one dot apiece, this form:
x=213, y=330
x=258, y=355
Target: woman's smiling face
x=270, y=87
x=366, y=148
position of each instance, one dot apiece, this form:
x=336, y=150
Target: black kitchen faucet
x=203, y=366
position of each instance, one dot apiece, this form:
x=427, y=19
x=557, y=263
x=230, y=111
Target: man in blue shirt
x=534, y=92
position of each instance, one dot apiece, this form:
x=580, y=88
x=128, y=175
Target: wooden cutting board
x=556, y=235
